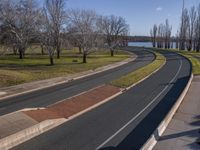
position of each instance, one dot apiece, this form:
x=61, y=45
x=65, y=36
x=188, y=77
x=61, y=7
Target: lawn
x=134, y=77
x=35, y=67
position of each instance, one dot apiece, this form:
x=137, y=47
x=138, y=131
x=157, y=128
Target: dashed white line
x=122, y=128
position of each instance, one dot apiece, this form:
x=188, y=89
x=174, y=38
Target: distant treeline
x=188, y=35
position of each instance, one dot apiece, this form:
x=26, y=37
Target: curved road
x=127, y=121
x=57, y=93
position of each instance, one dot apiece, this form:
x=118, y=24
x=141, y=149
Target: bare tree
x=113, y=28
x=19, y=19
x=197, y=30
x=55, y=9
x=73, y=38
x=167, y=34
x=177, y=40
x=45, y=32
x=160, y=37
x=184, y=29
x=192, y=19
x=83, y=27
x=153, y=33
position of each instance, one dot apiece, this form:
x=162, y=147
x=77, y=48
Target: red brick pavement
x=74, y=105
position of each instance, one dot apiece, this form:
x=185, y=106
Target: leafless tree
x=45, y=32
x=83, y=27
x=197, y=30
x=192, y=20
x=153, y=33
x=113, y=28
x=184, y=29
x=55, y=9
x=177, y=40
x=19, y=19
x=167, y=34
x=160, y=37
x=73, y=38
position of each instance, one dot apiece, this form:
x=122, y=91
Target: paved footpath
x=183, y=132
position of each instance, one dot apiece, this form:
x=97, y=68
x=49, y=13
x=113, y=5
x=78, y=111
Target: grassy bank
x=35, y=67
x=194, y=57
x=195, y=62
x=139, y=74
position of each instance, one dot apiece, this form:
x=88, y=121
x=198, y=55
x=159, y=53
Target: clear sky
x=140, y=14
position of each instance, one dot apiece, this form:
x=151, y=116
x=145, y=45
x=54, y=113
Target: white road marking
x=122, y=128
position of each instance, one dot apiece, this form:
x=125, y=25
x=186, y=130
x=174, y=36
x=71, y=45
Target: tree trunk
x=198, y=47
x=182, y=45
x=51, y=61
x=177, y=45
x=21, y=53
x=194, y=46
x=84, y=58
x=154, y=45
x=80, y=51
x=112, y=53
x=58, y=51
x=190, y=45
x=42, y=49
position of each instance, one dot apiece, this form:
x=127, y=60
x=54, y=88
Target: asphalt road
x=127, y=121
x=54, y=94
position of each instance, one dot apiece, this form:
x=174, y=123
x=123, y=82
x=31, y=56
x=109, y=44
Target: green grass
x=35, y=67
x=195, y=62
x=131, y=78
x=192, y=57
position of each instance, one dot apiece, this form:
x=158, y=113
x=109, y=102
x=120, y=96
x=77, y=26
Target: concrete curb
x=26, y=134
x=68, y=97
x=149, y=145
x=21, y=110
x=75, y=77
x=31, y=132
x=95, y=106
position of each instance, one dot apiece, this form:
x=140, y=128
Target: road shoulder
x=183, y=130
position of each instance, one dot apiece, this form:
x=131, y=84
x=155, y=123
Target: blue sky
x=140, y=14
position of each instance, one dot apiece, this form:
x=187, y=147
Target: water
x=140, y=44
x=145, y=44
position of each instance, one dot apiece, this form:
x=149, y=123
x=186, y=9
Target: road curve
x=54, y=94
x=125, y=122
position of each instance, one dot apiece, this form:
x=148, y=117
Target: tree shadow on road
x=141, y=133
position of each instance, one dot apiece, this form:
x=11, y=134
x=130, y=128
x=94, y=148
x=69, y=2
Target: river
x=143, y=44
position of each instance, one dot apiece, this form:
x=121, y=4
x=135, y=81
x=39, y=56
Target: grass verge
x=193, y=56
x=14, y=71
x=134, y=77
x=195, y=62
